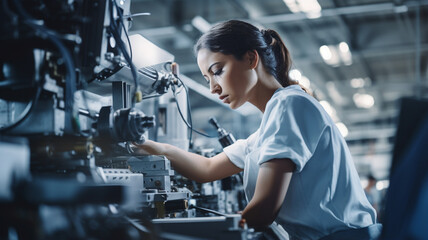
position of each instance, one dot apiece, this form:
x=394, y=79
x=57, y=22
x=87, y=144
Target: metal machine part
x=224, y=137
x=159, y=197
x=123, y=125
x=124, y=177
x=156, y=169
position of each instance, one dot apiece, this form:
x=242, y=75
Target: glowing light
x=201, y=24
x=357, y=82
x=363, y=100
x=305, y=82
x=311, y=7
x=345, y=54
x=343, y=46
x=327, y=107
x=325, y=52
x=380, y=185
x=295, y=74
x=342, y=128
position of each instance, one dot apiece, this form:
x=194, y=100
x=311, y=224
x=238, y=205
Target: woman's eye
x=218, y=72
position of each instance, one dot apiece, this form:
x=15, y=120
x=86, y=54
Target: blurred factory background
x=82, y=80
x=358, y=57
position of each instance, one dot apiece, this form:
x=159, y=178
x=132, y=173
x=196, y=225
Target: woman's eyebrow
x=209, y=69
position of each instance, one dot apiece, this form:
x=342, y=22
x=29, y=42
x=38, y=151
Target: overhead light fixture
x=380, y=185
x=325, y=52
x=357, y=82
x=335, y=54
x=295, y=74
x=311, y=8
x=292, y=5
x=345, y=54
x=342, y=128
x=304, y=81
x=329, y=55
x=329, y=109
x=332, y=112
x=201, y=24
x=363, y=100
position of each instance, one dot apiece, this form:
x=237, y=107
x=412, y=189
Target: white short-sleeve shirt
x=325, y=194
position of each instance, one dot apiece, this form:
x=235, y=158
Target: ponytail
x=282, y=56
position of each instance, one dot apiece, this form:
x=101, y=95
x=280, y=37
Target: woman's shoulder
x=289, y=97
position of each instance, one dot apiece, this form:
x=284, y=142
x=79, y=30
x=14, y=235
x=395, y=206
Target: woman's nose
x=215, y=87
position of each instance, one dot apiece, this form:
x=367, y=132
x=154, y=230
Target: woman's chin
x=234, y=106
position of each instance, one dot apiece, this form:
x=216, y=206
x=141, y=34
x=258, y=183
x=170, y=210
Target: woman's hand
x=150, y=147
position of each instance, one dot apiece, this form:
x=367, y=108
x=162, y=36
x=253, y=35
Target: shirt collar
x=294, y=86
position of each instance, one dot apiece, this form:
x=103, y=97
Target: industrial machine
x=75, y=91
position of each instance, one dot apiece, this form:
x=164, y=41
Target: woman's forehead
x=206, y=57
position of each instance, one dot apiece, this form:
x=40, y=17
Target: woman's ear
x=253, y=58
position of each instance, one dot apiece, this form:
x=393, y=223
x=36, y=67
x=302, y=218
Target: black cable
x=116, y=34
x=124, y=29
x=189, y=125
x=70, y=80
x=27, y=111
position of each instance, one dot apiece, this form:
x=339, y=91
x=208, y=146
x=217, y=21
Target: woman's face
x=228, y=77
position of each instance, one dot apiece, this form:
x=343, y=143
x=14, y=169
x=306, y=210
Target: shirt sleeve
x=291, y=130
x=236, y=152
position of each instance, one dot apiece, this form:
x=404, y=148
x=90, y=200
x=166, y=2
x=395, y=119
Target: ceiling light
x=335, y=54
x=325, y=52
x=330, y=110
x=363, y=100
x=380, y=185
x=292, y=5
x=343, y=46
x=311, y=7
x=342, y=128
x=295, y=74
x=345, y=54
x=304, y=81
x=330, y=55
x=201, y=24
x=357, y=82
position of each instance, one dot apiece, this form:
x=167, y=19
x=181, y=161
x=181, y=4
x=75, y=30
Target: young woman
x=297, y=167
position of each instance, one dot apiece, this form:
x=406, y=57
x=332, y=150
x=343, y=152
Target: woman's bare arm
x=191, y=165
x=272, y=184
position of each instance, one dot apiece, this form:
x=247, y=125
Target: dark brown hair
x=236, y=38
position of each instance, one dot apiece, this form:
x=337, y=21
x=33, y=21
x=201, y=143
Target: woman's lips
x=224, y=98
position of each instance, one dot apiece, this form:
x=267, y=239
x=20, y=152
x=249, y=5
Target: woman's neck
x=263, y=90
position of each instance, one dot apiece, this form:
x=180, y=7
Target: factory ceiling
x=359, y=56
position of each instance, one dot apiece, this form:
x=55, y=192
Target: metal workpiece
x=146, y=164
x=124, y=176
x=161, y=203
x=157, y=171
x=158, y=182
x=154, y=195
